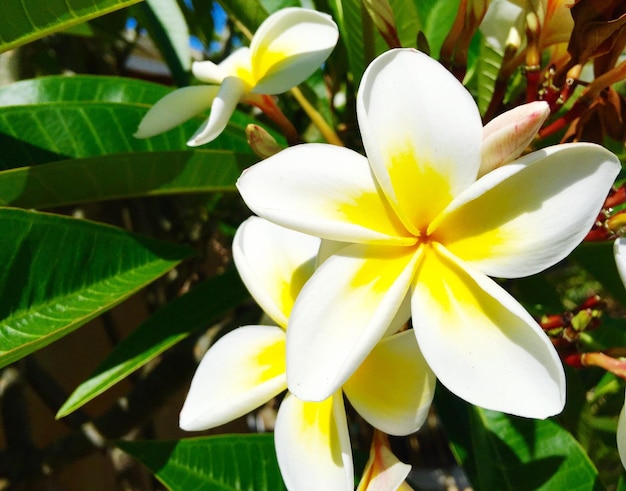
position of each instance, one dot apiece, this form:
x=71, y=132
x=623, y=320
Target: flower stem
x=329, y=134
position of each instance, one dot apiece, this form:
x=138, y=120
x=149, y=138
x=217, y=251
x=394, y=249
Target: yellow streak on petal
x=270, y=362
x=392, y=381
x=382, y=268
x=319, y=427
x=266, y=60
x=483, y=228
x=373, y=211
x=288, y=287
x=460, y=301
x=421, y=189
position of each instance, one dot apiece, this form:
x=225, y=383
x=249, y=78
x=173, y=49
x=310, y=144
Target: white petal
x=313, y=445
x=421, y=131
x=619, y=250
x=383, y=471
x=394, y=387
x=341, y=313
x=508, y=135
x=621, y=436
x=501, y=17
x=482, y=344
x=243, y=370
x=230, y=92
x=289, y=46
x=176, y=108
x=274, y=263
x=321, y=190
x=237, y=64
x=526, y=216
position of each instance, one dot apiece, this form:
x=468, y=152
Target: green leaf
x=202, y=306
x=57, y=273
x=508, y=453
x=167, y=27
x=437, y=19
x=56, y=118
x=122, y=176
x=597, y=258
x=24, y=21
x=219, y=463
x=85, y=88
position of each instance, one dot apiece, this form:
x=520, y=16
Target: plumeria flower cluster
x=286, y=49
x=392, y=389
x=416, y=220
x=346, y=248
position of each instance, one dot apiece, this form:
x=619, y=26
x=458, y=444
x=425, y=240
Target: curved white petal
x=619, y=250
x=341, y=313
x=481, y=343
x=394, y=387
x=243, y=370
x=289, y=46
x=526, y=216
x=383, y=471
x=313, y=445
x=230, y=92
x=501, y=17
x=274, y=263
x=621, y=436
x=321, y=190
x=508, y=135
x=421, y=131
x=176, y=108
x=237, y=64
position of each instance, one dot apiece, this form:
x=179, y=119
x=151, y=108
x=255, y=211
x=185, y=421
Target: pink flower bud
x=508, y=135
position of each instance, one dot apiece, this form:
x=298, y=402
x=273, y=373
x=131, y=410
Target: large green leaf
x=202, y=306
x=122, y=176
x=85, y=88
x=218, y=463
x=56, y=118
x=57, y=273
x=507, y=453
x=24, y=21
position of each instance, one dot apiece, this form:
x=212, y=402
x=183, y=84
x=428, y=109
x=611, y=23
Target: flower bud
x=261, y=142
x=382, y=16
x=508, y=135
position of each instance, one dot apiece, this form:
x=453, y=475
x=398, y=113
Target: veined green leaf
x=597, y=258
x=55, y=118
x=57, y=273
x=122, y=176
x=508, y=453
x=24, y=21
x=202, y=306
x=218, y=463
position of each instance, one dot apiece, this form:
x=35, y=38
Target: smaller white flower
x=392, y=389
x=286, y=49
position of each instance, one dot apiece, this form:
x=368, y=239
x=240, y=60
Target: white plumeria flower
x=619, y=249
x=420, y=223
x=383, y=471
x=286, y=49
x=392, y=389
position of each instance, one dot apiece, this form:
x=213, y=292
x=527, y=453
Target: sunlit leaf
x=204, y=305
x=57, y=273
x=24, y=21
x=219, y=463
x=509, y=453
x=122, y=176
